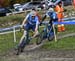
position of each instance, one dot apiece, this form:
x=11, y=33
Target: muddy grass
x=39, y=54
x=42, y=55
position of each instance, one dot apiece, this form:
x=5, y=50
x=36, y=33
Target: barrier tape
x=71, y=21
x=65, y=22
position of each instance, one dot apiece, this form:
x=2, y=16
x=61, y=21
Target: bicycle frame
x=25, y=41
x=47, y=31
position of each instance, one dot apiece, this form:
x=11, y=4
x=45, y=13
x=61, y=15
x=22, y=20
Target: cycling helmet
x=33, y=13
x=51, y=9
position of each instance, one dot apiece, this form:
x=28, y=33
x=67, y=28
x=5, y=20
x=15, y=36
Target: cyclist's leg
x=23, y=36
x=27, y=38
x=50, y=25
x=42, y=36
x=50, y=22
x=22, y=42
x=50, y=31
x=26, y=27
x=24, y=39
x=26, y=33
x=35, y=34
x=21, y=45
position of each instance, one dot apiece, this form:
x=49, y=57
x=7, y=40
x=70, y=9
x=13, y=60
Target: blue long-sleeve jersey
x=31, y=20
x=52, y=15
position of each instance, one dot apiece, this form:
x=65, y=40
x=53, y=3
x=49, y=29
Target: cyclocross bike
x=46, y=33
x=25, y=41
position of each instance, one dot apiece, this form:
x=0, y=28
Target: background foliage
x=5, y=3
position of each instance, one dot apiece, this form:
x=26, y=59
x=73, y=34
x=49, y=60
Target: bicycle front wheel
x=50, y=37
x=21, y=46
x=51, y=34
x=40, y=38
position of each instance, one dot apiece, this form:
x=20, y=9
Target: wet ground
x=42, y=55
x=36, y=53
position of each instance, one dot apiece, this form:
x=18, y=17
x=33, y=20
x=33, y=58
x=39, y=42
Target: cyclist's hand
x=22, y=26
x=40, y=23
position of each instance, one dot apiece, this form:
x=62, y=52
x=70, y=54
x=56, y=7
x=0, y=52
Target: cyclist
x=53, y=17
x=32, y=22
x=52, y=14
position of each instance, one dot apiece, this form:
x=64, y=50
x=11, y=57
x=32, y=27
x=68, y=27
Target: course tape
x=10, y=28
x=67, y=21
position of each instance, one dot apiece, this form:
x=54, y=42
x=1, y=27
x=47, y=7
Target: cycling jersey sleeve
x=47, y=14
x=37, y=20
x=26, y=18
x=54, y=15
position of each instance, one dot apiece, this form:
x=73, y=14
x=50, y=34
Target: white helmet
x=51, y=9
x=33, y=13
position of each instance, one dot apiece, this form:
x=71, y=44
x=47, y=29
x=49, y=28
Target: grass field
x=63, y=44
x=7, y=41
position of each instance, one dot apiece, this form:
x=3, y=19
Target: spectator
x=59, y=9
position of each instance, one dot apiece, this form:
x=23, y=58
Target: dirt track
x=38, y=54
x=43, y=55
